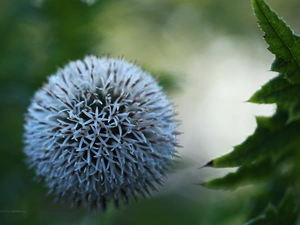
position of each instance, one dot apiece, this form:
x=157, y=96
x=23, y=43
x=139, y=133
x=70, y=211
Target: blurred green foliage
x=36, y=37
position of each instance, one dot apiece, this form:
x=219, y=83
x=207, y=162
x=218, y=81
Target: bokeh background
x=210, y=56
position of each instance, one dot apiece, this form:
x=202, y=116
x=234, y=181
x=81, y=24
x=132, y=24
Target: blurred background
x=210, y=56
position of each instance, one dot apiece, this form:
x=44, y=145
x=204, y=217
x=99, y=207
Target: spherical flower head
x=100, y=130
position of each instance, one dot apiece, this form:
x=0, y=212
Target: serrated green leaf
x=245, y=175
x=263, y=143
x=279, y=91
x=271, y=152
x=272, y=137
x=283, y=43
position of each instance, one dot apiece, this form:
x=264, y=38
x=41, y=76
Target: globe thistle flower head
x=100, y=130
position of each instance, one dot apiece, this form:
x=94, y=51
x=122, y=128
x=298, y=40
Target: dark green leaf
x=288, y=208
x=272, y=138
x=285, y=213
x=245, y=175
x=271, y=153
x=279, y=91
x=294, y=113
x=269, y=217
x=282, y=41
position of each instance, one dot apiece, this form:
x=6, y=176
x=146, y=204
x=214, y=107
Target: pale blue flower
x=99, y=130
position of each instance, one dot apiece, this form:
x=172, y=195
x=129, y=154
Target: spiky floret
x=99, y=130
